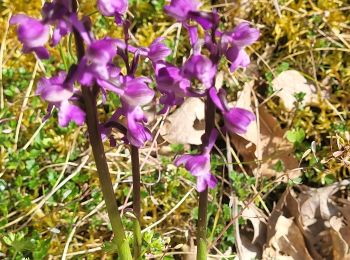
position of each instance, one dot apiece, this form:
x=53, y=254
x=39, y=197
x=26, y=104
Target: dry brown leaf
x=340, y=246
x=269, y=145
x=183, y=125
x=316, y=204
x=289, y=240
x=291, y=82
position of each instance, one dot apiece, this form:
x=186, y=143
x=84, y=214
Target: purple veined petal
x=245, y=59
x=179, y=9
x=205, y=181
x=42, y=53
x=19, y=19
x=54, y=93
x=198, y=164
x=211, y=181
x=137, y=93
x=243, y=35
x=31, y=32
x=237, y=120
x=215, y=98
x=238, y=58
x=137, y=134
x=135, y=113
x=101, y=51
x=158, y=51
x=206, y=20
x=112, y=7
x=114, y=71
x=68, y=112
x=83, y=73
x=99, y=71
x=193, y=33
x=54, y=89
x=182, y=159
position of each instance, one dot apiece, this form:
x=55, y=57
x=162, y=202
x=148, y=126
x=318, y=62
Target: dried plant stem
x=203, y=196
x=100, y=159
x=136, y=183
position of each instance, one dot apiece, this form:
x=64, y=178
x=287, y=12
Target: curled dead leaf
x=184, y=125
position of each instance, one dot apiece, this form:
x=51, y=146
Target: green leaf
x=279, y=166
x=296, y=136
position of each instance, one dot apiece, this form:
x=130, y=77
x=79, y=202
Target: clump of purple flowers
x=195, y=78
x=98, y=74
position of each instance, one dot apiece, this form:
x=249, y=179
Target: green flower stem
x=203, y=196
x=136, y=182
x=89, y=97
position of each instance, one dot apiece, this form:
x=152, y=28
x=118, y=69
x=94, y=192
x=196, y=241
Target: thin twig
x=24, y=104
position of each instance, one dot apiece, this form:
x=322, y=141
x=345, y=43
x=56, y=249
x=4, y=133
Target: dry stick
x=100, y=158
x=24, y=104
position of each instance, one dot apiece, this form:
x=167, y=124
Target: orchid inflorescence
x=194, y=78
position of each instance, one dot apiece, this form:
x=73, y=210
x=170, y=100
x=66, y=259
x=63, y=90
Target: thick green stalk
x=89, y=98
x=203, y=196
x=136, y=183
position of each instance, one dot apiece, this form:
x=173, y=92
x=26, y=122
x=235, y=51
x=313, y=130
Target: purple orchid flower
x=58, y=14
x=173, y=85
x=236, y=119
x=241, y=36
x=244, y=35
x=58, y=92
x=115, y=8
x=136, y=92
x=69, y=112
x=201, y=68
x=238, y=58
x=199, y=165
x=184, y=10
x=97, y=62
x=137, y=133
x=180, y=9
x=55, y=89
x=158, y=51
x=33, y=34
